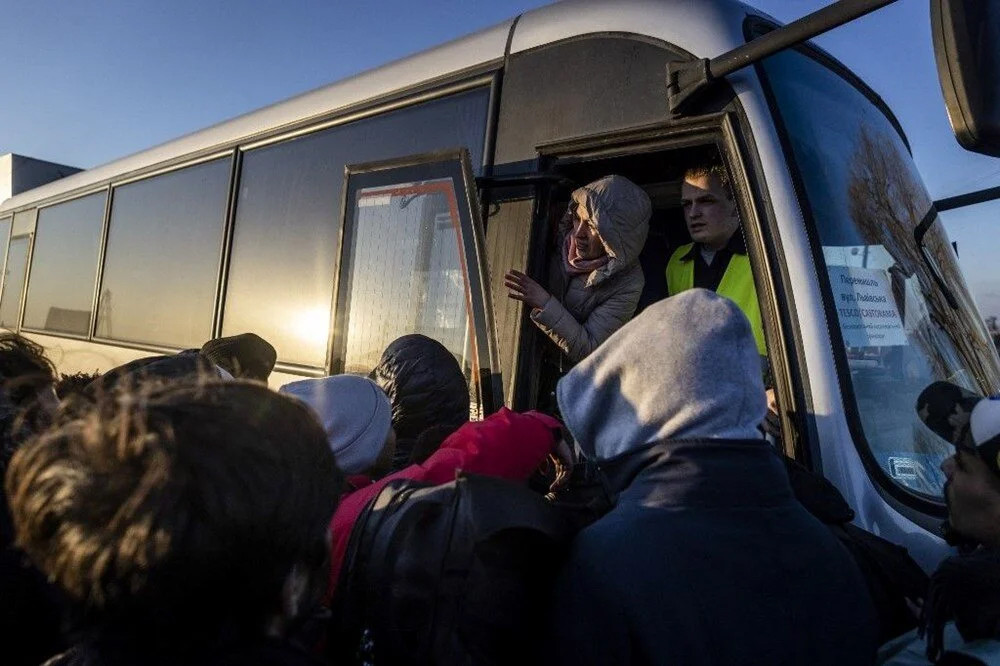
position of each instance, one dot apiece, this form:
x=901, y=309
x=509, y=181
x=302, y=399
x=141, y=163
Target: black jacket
x=708, y=559
x=426, y=388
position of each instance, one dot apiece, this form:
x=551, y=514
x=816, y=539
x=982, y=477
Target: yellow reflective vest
x=736, y=285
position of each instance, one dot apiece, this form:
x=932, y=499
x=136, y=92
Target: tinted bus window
x=13, y=281
x=4, y=237
x=64, y=266
x=285, y=241
x=162, y=259
x=900, y=334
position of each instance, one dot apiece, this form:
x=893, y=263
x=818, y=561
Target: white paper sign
x=866, y=308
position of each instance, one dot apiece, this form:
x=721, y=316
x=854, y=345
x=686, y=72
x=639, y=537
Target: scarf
x=577, y=265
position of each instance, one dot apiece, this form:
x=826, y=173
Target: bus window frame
x=98, y=269
x=472, y=248
x=895, y=493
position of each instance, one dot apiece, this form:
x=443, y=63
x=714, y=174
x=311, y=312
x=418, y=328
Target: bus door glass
x=898, y=330
x=410, y=263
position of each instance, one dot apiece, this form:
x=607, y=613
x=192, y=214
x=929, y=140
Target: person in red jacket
x=506, y=445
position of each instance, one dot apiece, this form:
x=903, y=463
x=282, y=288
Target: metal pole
x=968, y=199
x=807, y=27
x=688, y=80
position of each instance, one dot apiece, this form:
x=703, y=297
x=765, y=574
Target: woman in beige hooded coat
x=595, y=278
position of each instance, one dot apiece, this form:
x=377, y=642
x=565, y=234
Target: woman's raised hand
x=522, y=288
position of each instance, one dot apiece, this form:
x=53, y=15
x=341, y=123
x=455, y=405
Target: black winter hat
x=244, y=356
x=425, y=385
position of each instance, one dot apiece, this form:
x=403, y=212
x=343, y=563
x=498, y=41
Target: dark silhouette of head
x=425, y=386
x=180, y=519
x=27, y=398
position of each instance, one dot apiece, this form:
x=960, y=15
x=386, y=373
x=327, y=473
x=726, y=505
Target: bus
x=393, y=202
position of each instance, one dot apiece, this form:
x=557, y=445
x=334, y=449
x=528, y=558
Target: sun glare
x=312, y=325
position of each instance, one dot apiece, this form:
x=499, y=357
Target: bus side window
x=5, y=225
x=162, y=259
x=13, y=283
x=287, y=223
x=64, y=261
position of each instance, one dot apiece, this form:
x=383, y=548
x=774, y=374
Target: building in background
x=19, y=173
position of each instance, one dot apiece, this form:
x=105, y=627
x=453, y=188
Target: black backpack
x=458, y=573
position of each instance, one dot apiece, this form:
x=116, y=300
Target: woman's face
x=588, y=241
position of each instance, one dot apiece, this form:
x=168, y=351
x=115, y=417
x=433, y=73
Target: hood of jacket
x=354, y=413
x=620, y=211
x=425, y=385
x=686, y=368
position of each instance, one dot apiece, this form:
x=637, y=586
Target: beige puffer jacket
x=584, y=310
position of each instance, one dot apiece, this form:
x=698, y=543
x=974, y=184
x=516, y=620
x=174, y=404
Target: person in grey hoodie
x=706, y=557
x=595, y=277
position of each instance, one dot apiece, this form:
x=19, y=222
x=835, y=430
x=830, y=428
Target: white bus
x=393, y=202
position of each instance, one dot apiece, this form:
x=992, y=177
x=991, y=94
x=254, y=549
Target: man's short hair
x=24, y=368
x=174, y=517
x=714, y=169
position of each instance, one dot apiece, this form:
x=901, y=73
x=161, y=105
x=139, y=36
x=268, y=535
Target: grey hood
x=686, y=368
x=620, y=210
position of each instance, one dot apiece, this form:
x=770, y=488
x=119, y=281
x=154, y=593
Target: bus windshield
x=900, y=334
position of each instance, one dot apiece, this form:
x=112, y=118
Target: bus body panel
x=475, y=49
x=839, y=458
x=703, y=29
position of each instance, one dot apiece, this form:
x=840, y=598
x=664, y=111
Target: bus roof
x=705, y=28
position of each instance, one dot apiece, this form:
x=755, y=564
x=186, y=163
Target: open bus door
x=412, y=261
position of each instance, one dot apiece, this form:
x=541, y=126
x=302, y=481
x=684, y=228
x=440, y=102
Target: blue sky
x=83, y=83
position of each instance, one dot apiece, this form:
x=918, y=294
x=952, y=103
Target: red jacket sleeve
x=506, y=444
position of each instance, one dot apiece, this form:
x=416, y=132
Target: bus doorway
x=659, y=172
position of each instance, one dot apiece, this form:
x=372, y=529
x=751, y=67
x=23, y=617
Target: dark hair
x=74, y=384
x=24, y=371
x=172, y=518
x=714, y=169
x=24, y=368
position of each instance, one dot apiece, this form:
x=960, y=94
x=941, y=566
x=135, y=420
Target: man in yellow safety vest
x=717, y=259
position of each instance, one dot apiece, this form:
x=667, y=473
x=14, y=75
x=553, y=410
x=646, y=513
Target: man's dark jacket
x=709, y=559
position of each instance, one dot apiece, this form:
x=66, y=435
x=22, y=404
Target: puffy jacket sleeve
x=506, y=444
x=578, y=339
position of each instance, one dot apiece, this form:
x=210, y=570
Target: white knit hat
x=984, y=421
x=355, y=414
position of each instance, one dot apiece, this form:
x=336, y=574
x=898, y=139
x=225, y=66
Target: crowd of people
x=177, y=510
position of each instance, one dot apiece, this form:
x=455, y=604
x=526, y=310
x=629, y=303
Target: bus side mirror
x=967, y=49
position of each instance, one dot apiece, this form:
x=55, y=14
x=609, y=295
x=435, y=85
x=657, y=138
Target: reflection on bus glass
x=899, y=331
x=13, y=281
x=4, y=237
x=64, y=266
x=288, y=212
x=405, y=271
x=162, y=260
